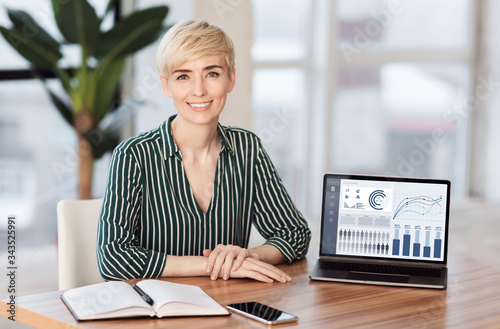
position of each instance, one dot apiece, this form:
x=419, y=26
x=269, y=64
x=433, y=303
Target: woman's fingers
x=212, y=257
x=240, y=259
x=232, y=261
x=258, y=270
x=223, y=259
x=225, y=262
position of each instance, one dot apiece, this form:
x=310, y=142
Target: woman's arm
x=275, y=215
x=269, y=254
x=249, y=268
x=119, y=255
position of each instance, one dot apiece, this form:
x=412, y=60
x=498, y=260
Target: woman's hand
x=260, y=271
x=236, y=262
x=226, y=258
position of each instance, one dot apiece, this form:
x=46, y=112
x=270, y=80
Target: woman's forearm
x=256, y=267
x=196, y=265
x=268, y=254
x=185, y=266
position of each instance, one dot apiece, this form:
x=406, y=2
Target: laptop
x=384, y=230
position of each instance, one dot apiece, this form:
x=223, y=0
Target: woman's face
x=199, y=88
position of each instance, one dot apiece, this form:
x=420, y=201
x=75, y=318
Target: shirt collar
x=170, y=147
x=224, y=139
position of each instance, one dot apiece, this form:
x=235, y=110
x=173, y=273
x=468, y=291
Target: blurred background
x=405, y=88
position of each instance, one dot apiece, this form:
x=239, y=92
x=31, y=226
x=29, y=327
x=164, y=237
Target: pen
x=143, y=295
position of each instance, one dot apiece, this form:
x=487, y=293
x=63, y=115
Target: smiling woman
x=181, y=199
x=200, y=86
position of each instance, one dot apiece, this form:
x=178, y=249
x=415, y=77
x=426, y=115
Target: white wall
x=235, y=16
x=146, y=87
x=485, y=143
x=492, y=160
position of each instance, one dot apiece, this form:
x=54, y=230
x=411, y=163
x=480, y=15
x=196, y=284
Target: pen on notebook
x=143, y=295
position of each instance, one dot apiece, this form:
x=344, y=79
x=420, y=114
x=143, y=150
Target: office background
x=392, y=87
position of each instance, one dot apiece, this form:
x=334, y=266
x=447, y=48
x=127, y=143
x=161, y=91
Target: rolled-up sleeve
x=275, y=215
x=119, y=255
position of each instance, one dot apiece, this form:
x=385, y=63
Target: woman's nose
x=199, y=88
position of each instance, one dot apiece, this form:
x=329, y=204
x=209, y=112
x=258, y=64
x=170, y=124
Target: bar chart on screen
x=418, y=241
x=417, y=223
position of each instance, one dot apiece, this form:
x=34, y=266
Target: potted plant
x=91, y=88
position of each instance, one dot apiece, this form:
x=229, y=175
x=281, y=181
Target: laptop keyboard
x=378, y=268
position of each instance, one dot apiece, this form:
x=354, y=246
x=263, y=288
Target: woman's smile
x=199, y=107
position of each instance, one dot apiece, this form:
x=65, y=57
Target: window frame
x=306, y=64
x=323, y=64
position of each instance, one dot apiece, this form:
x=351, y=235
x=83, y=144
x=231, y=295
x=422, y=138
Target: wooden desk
x=472, y=300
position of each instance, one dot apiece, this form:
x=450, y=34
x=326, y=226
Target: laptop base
x=396, y=280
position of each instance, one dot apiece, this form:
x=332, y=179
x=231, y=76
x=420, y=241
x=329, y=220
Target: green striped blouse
x=149, y=210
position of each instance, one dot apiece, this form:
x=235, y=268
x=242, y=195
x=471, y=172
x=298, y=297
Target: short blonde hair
x=189, y=40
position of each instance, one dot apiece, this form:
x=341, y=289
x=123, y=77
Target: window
x=394, y=115
x=397, y=81
x=370, y=88
x=281, y=82
x=38, y=164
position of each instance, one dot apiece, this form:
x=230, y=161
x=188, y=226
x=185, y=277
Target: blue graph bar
x=395, y=247
x=427, y=248
x=395, y=243
x=437, y=248
x=437, y=245
x=416, y=249
x=406, y=243
x=416, y=245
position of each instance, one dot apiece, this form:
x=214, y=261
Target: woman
x=181, y=199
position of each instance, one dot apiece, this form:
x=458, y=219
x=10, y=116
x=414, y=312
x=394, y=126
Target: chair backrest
x=77, y=229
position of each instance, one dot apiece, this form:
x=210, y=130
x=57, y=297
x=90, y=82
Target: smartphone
x=263, y=313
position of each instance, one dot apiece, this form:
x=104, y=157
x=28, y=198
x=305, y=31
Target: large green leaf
x=61, y=106
x=133, y=33
x=40, y=55
x=106, y=80
x=93, y=88
x=107, y=135
x=109, y=7
x=77, y=21
x=25, y=24
x=100, y=141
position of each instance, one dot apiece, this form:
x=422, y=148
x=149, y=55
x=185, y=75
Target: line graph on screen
x=422, y=205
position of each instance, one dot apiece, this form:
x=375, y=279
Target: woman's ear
x=232, y=81
x=164, y=85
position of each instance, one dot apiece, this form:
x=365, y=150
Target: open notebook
x=384, y=230
x=154, y=298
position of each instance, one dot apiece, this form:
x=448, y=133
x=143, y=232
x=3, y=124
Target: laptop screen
x=385, y=217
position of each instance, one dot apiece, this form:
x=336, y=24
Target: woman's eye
x=182, y=77
x=213, y=75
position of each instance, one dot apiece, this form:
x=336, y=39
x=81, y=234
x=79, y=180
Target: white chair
x=77, y=229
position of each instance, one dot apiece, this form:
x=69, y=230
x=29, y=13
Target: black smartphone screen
x=262, y=312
